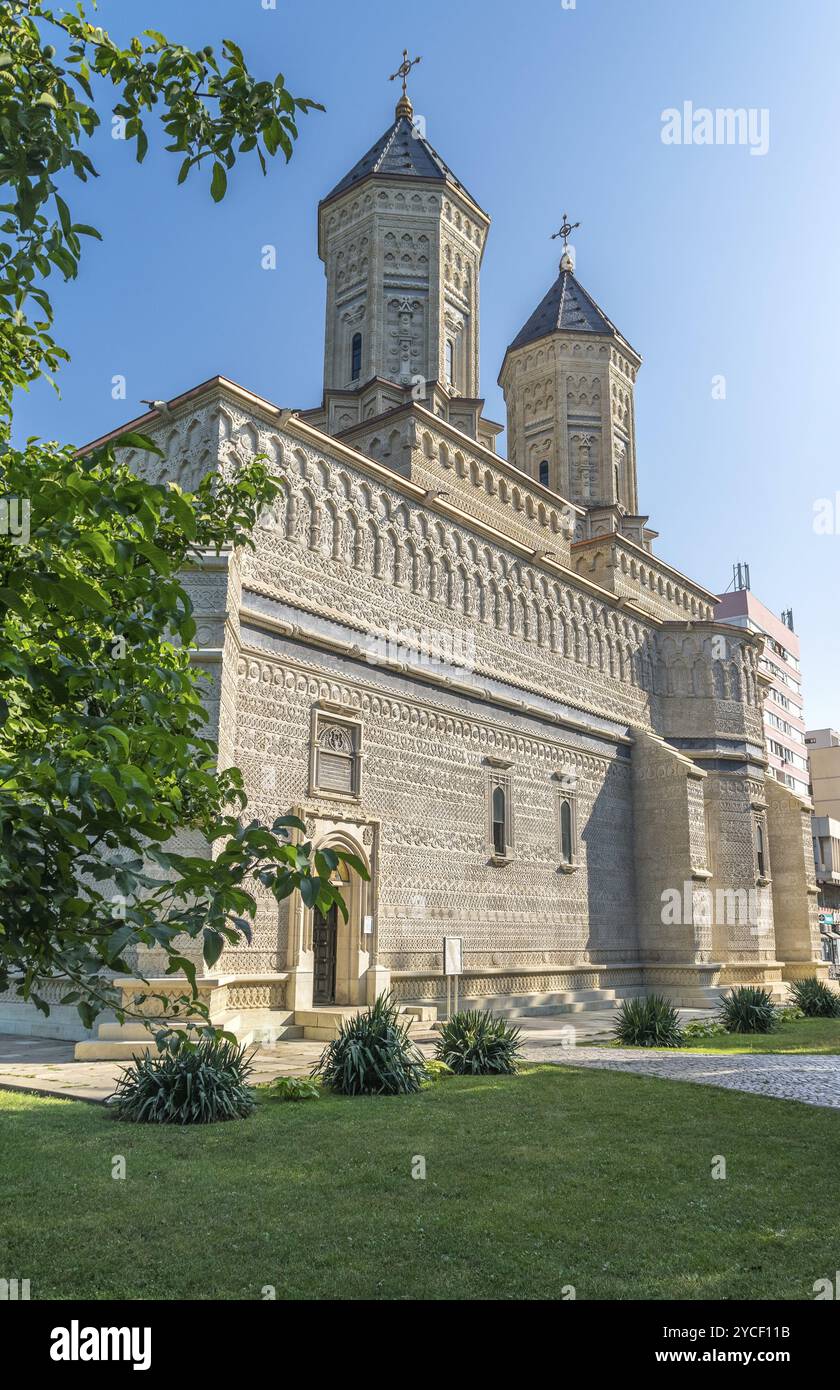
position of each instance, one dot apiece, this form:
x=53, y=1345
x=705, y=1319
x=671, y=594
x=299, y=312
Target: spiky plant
x=475, y=1043
x=815, y=998
x=748, y=1009
x=188, y=1084
x=648, y=1022
x=373, y=1055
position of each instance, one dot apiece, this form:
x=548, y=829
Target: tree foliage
x=210, y=107
x=105, y=761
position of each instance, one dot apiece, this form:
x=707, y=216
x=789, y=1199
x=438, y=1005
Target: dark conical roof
x=567, y=307
x=402, y=152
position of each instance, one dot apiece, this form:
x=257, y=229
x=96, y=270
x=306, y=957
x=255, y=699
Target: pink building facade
x=784, y=725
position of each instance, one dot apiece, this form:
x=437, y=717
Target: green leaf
x=133, y=439
x=218, y=186
x=214, y=944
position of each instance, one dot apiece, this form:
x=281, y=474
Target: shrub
x=815, y=999
x=472, y=1043
x=292, y=1088
x=373, y=1055
x=748, y=1009
x=188, y=1084
x=437, y=1070
x=703, y=1028
x=788, y=1013
x=648, y=1022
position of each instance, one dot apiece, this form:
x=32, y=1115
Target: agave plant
x=373, y=1055
x=189, y=1084
x=815, y=998
x=477, y=1044
x=648, y=1022
x=748, y=1009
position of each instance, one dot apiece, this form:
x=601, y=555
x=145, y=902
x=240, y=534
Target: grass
x=552, y=1178
x=799, y=1035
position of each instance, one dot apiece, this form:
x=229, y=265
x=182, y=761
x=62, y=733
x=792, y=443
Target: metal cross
x=404, y=69
x=566, y=230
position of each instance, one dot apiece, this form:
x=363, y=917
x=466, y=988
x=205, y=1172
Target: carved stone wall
x=545, y=675
x=424, y=779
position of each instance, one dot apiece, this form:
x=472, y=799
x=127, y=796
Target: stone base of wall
x=528, y=983
x=561, y=990
x=62, y=1024
x=805, y=970
x=223, y=996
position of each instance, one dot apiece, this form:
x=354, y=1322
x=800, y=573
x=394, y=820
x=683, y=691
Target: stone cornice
x=222, y=388
x=515, y=703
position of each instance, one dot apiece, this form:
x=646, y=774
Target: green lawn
x=551, y=1178
x=800, y=1035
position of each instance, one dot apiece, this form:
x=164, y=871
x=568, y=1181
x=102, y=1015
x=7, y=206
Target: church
x=475, y=671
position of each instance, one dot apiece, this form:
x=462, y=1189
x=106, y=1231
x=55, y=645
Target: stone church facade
x=474, y=672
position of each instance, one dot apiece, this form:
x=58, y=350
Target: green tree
x=210, y=108
x=104, y=757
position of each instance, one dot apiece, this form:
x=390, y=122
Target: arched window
x=499, y=821
x=356, y=362
x=450, y=362
x=544, y=472
x=335, y=768
x=566, y=841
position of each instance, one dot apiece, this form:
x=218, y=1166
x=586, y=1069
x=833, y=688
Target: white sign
x=367, y=926
x=453, y=955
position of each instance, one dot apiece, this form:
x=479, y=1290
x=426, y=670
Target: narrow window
x=544, y=472
x=450, y=362
x=499, y=821
x=759, y=849
x=356, y=364
x=617, y=484
x=566, y=843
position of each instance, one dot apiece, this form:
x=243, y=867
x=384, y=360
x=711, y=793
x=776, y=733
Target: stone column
x=675, y=941
x=794, y=884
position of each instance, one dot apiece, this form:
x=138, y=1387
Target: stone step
x=424, y=1013
x=266, y=1035
x=139, y=1032
x=94, y=1050
x=567, y=1002
x=326, y=1015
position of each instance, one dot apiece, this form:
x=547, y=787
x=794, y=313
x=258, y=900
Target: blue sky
x=712, y=261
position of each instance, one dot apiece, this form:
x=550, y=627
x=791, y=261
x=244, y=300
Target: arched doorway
x=341, y=951
x=325, y=928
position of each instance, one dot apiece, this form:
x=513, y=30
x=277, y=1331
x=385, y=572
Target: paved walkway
x=811, y=1078
x=48, y=1068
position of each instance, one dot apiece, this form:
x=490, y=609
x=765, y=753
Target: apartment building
x=784, y=725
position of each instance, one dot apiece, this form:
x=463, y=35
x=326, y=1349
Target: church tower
x=568, y=379
x=402, y=242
